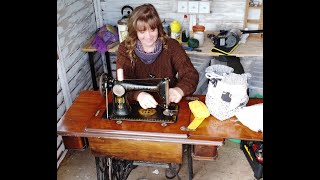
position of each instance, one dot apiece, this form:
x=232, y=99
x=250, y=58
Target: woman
x=147, y=53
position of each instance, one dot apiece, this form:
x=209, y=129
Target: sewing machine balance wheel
x=102, y=87
x=104, y=83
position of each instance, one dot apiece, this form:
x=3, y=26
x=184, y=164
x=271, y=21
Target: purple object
x=104, y=37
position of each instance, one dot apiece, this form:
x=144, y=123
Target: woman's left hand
x=175, y=94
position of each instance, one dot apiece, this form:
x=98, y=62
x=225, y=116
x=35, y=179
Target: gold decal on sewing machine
x=147, y=112
x=119, y=101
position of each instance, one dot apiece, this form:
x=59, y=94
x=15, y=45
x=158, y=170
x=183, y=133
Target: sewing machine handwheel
x=102, y=84
x=163, y=124
x=105, y=83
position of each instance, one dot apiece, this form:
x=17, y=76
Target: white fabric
x=251, y=116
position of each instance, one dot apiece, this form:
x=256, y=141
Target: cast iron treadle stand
x=190, y=162
x=120, y=169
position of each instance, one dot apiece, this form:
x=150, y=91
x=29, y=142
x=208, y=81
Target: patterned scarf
x=148, y=58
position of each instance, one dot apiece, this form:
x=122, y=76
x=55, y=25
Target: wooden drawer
x=136, y=150
x=71, y=142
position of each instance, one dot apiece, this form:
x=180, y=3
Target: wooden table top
x=252, y=47
x=212, y=127
x=80, y=121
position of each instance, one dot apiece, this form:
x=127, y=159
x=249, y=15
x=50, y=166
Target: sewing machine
x=120, y=109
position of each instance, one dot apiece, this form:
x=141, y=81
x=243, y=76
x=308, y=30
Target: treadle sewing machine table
x=144, y=141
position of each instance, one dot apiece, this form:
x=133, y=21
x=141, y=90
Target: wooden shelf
x=248, y=21
x=255, y=7
x=253, y=21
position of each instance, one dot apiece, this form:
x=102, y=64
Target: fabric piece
x=105, y=36
x=195, y=123
x=251, y=116
x=148, y=58
x=199, y=111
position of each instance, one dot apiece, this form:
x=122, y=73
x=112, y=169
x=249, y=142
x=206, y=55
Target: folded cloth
x=251, y=116
x=105, y=36
x=200, y=112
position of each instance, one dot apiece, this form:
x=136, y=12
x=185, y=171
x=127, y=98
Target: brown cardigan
x=171, y=61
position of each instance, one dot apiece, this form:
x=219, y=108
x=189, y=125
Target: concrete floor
x=231, y=164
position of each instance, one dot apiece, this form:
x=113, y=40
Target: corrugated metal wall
x=75, y=25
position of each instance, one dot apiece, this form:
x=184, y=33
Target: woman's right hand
x=146, y=100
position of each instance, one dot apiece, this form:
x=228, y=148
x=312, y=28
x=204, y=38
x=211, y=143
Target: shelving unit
x=253, y=19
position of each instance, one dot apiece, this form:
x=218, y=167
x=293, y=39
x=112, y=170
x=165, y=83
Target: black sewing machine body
x=121, y=110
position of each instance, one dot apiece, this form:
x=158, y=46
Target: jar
x=200, y=36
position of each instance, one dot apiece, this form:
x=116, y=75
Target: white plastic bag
x=227, y=91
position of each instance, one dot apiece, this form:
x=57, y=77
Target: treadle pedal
x=147, y=163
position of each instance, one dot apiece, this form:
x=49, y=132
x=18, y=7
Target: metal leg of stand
x=108, y=62
x=101, y=166
x=93, y=71
x=190, y=163
x=110, y=169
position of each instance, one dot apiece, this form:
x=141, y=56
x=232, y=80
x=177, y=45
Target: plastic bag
x=227, y=91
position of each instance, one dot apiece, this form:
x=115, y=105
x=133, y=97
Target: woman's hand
x=175, y=94
x=146, y=100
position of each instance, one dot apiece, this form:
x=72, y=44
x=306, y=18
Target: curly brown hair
x=140, y=16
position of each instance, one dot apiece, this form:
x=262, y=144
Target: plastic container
x=235, y=140
x=255, y=92
x=200, y=36
x=175, y=28
x=197, y=28
x=201, y=63
x=253, y=83
x=184, y=29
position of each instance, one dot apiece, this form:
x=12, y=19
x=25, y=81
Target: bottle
x=175, y=30
x=185, y=31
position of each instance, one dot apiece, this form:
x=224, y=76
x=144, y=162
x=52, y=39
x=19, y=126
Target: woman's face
x=148, y=37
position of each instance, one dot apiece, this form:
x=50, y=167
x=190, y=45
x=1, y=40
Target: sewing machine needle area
x=146, y=115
